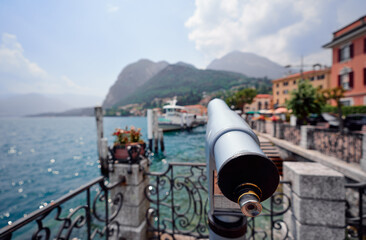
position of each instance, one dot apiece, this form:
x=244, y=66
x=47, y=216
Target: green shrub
x=346, y=110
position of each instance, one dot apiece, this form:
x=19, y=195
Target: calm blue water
x=42, y=159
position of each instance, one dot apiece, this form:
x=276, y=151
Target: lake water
x=41, y=159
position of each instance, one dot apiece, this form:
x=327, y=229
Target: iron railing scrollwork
x=66, y=221
x=345, y=146
x=272, y=213
x=179, y=205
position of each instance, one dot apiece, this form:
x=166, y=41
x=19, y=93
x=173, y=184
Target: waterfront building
x=349, y=61
x=260, y=102
x=282, y=87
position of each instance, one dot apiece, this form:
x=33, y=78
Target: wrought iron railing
x=178, y=202
x=345, y=146
x=270, y=224
x=179, y=205
x=61, y=219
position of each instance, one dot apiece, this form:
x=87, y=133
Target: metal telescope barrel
x=245, y=174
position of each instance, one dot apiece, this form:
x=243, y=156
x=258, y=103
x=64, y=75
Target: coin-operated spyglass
x=244, y=174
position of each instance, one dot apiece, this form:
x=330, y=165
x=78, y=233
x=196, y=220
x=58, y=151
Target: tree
x=335, y=94
x=304, y=100
x=241, y=98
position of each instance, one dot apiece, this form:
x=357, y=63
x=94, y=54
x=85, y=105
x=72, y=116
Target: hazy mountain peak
x=131, y=77
x=248, y=64
x=180, y=63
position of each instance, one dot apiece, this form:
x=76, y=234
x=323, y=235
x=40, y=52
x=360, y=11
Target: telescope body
x=245, y=175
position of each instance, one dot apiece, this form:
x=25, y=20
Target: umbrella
x=281, y=110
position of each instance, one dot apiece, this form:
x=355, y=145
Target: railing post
x=132, y=215
x=281, y=130
x=363, y=158
x=274, y=133
x=304, y=143
x=318, y=207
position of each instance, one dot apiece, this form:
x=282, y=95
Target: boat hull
x=171, y=127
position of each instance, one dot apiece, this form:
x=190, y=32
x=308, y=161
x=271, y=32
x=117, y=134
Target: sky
x=80, y=46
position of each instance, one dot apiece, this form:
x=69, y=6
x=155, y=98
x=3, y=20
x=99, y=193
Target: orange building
x=349, y=61
x=282, y=87
x=261, y=101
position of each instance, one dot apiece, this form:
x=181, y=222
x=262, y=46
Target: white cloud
x=282, y=30
x=111, y=8
x=18, y=74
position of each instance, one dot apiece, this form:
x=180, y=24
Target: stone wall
x=318, y=201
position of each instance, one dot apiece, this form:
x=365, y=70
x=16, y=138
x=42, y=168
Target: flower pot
x=121, y=151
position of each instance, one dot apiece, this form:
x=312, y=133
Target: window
x=345, y=78
x=321, y=77
x=312, y=79
x=346, y=102
x=364, y=76
x=285, y=83
x=277, y=85
x=345, y=52
x=259, y=105
x=285, y=91
x=320, y=86
x=278, y=93
x=294, y=82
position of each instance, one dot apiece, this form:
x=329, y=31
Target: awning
x=252, y=112
x=266, y=111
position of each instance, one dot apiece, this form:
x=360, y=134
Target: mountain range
x=248, y=64
x=180, y=80
x=132, y=76
x=34, y=103
x=145, y=80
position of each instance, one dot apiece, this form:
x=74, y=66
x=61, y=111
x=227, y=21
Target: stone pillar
x=304, y=136
x=363, y=158
x=318, y=201
x=132, y=215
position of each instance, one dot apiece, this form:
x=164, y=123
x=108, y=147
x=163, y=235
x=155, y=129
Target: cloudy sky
x=49, y=46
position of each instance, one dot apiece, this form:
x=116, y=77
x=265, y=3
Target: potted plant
x=127, y=139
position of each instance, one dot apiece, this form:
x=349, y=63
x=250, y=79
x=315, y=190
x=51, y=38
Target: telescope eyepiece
x=249, y=196
x=250, y=205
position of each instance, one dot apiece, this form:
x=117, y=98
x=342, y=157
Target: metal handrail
x=36, y=214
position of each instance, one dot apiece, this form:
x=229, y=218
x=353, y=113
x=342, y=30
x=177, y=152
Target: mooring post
x=150, y=121
x=98, y=110
x=161, y=137
x=155, y=131
x=102, y=152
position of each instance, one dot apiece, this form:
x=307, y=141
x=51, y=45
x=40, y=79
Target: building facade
x=282, y=87
x=260, y=102
x=349, y=61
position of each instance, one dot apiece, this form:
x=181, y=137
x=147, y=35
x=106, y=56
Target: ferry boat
x=175, y=117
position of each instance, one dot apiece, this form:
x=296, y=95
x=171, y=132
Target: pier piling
x=161, y=138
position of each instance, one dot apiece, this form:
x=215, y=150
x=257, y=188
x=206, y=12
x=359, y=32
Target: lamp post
x=302, y=66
